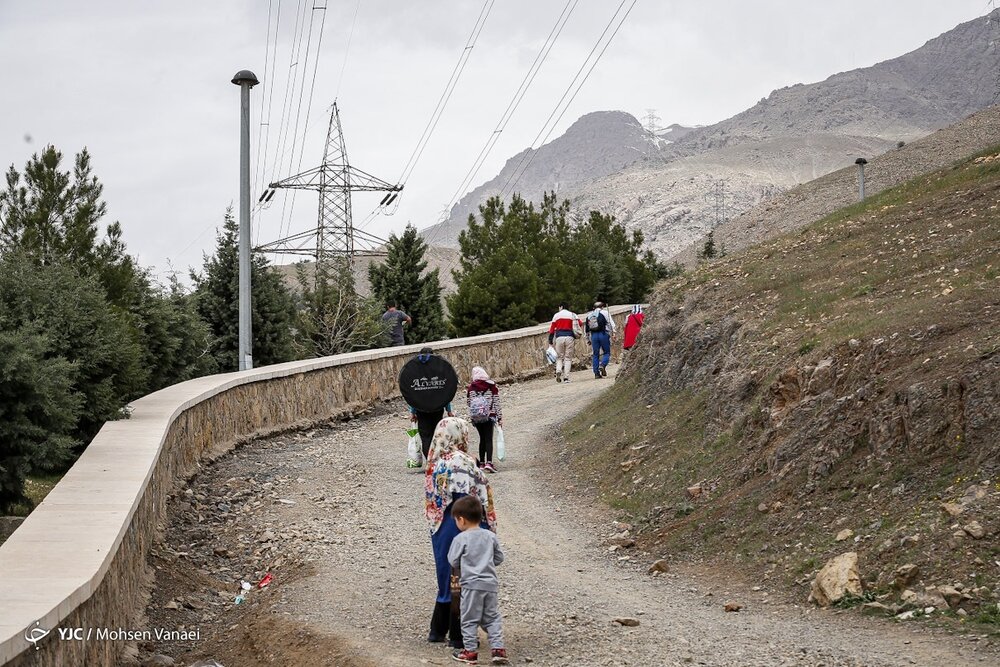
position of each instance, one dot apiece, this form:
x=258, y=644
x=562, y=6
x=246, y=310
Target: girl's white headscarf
x=479, y=373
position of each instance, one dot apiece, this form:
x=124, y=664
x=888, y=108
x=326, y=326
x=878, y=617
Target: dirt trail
x=370, y=588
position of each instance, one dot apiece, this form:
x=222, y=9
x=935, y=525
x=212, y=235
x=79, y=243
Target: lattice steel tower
x=334, y=179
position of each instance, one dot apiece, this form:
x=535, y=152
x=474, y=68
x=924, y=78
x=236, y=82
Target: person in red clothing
x=563, y=332
x=483, y=399
x=632, y=326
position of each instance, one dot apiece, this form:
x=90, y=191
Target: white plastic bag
x=551, y=355
x=413, y=450
x=501, y=447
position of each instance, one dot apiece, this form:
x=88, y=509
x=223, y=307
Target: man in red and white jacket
x=563, y=332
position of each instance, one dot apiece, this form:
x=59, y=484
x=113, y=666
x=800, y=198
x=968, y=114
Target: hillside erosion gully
x=80, y=559
x=337, y=520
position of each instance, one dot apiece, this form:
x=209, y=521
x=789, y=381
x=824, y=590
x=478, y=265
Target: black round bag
x=429, y=386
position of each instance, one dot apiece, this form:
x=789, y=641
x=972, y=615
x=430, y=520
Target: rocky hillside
x=598, y=144
x=835, y=390
x=443, y=259
x=658, y=183
x=811, y=201
x=674, y=205
x=946, y=79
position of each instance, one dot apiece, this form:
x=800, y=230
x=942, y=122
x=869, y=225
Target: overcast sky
x=145, y=87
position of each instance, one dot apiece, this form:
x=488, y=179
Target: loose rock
x=627, y=621
x=974, y=530
x=838, y=579
x=905, y=574
x=660, y=565
x=732, y=606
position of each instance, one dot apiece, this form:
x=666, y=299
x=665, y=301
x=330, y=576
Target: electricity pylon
x=334, y=179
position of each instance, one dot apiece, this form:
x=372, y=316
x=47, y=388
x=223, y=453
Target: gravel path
x=359, y=511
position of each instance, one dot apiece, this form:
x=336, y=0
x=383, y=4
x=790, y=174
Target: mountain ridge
x=824, y=125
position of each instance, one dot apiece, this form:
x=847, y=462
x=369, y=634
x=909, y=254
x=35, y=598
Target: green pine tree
x=174, y=338
x=520, y=262
x=401, y=280
x=38, y=411
x=49, y=215
x=217, y=302
x=708, y=250
x=72, y=313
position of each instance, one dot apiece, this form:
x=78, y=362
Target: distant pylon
x=652, y=121
x=334, y=179
x=717, y=195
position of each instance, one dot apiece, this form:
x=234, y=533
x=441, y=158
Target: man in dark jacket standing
x=393, y=320
x=600, y=327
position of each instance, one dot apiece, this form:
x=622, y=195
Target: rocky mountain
x=442, y=258
x=946, y=79
x=811, y=201
x=659, y=183
x=597, y=144
x=675, y=132
x=674, y=204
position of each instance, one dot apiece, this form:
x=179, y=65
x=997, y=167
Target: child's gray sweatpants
x=480, y=608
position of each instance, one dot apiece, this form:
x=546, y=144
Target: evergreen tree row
x=520, y=262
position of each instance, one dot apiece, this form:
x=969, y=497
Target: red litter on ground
x=265, y=581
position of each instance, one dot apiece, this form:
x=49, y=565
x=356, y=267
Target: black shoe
x=435, y=638
x=456, y=643
x=597, y=376
x=604, y=371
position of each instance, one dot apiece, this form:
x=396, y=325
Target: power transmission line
x=347, y=51
x=267, y=84
x=296, y=56
x=312, y=88
x=282, y=134
x=432, y=122
x=449, y=88
x=515, y=101
x=311, y=125
x=526, y=160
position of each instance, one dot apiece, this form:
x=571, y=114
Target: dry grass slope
x=842, y=376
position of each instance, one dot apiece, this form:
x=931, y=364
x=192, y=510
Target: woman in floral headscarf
x=451, y=474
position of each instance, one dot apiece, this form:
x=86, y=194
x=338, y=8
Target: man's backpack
x=480, y=406
x=596, y=321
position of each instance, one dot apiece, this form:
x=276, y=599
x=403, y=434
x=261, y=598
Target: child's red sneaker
x=465, y=655
x=500, y=657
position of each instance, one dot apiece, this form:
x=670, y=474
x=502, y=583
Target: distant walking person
x=600, y=329
x=632, y=326
x=563, y=332
x=483, y=399
x=393, y=320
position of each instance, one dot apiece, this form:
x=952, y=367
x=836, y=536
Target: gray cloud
x=146, y=87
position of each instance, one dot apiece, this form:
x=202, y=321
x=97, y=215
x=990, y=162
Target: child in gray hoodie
x=477, y=552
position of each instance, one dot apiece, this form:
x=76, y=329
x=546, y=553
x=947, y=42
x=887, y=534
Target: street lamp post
x=861, y=162
x=246, y=80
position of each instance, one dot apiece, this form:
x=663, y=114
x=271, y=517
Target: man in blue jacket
x=600, y=328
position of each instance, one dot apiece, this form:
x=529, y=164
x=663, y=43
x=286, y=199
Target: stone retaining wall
x=79, y=560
